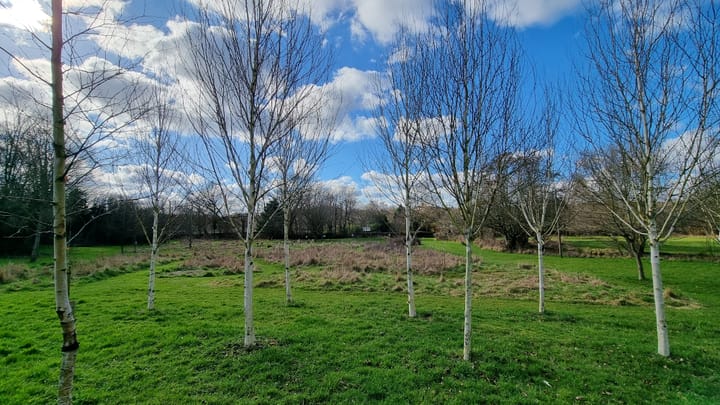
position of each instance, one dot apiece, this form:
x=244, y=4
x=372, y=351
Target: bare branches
x=646, y=107
x=254, y=64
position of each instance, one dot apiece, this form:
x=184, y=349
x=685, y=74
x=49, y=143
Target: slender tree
x=537, y=183
x=157, y=154
x=253, y=62
x=88, y=99
x=649, y=97
x=400, y=123
x=62, y=297
x=300, y=154
x=472, y=95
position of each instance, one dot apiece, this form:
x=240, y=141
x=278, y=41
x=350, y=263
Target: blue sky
x=358, y=31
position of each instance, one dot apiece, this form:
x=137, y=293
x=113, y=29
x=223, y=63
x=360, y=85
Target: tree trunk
x=408, y=264
x=286, y=251
x=35, y=253
x=249, y=339
x=662, y=332
x=639, y=264
x=560, y=250
x=541, y=272
x=62, y=298
x=467, y=325
x=153, y=260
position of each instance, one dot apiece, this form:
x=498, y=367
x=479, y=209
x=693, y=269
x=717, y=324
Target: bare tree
x=399, y=167
x=472, y=95
x=253, y=62
x=612, y=206
x=299, y=156
x=88, y=96
x=158, y=156
x=537, y=182
x=62, y=297
x=649, y=97
x=25, y=176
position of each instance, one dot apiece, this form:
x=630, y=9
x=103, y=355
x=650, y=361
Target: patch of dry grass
x=375, y=256
x=223, y=255
x=12, y=272
x=122, y=262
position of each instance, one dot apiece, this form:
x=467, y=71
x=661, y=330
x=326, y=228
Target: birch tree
x=472, y=94
x=88, y=99
x=399, y=124
x=252, y=62
x=649, y=96
x=158, y=162
x=300, y=154
x=63, y=308
x=537, y=183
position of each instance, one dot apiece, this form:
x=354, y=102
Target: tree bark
x=639, y=263
x=153, y=259
x=662, y=331
x=35, y=253
x=249, y=339
x=286, y=252
x=541, y=271
x=560, y=249
x=62, y=299
x=408, y=263
x=467, y=325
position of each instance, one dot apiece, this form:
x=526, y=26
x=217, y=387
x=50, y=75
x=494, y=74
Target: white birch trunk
x=286, y=251
x=63, y=308
x=408, y=264
x=249, y=339
x=662, y=332
x=467, y=324
x=153, y=260
x=541, y=272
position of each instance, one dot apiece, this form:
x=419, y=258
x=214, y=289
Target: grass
x=352, y=342
x=682, y=245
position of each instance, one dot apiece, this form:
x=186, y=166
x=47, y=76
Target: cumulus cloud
x=24, y=14
x=382, y=18
x=347, y=101
x=344, y=185
x=527, y=13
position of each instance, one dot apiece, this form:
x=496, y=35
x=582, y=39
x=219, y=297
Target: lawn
x=682, y=245
x=347, y=337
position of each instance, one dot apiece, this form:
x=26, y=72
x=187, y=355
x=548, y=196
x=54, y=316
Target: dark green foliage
x=270, y=220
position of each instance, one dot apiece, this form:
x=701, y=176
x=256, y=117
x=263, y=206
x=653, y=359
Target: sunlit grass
x=353, y=342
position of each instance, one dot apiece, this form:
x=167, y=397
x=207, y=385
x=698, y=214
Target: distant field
x=348, y=339
x=678, y=245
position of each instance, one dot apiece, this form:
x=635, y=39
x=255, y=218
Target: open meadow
x=347, y=338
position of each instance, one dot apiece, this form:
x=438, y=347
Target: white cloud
x=527, y=13
x=347, y=101
x=24, y=14
x=383, y=18
x=344, y=185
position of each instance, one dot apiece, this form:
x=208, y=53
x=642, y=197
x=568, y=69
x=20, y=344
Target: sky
x=358, y=32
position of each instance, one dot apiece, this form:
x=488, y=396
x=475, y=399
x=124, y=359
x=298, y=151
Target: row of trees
x=457, y=128
x=458, y=135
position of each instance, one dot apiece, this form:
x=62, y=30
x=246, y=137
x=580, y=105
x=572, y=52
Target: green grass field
x=348, y=339
x=685, y=245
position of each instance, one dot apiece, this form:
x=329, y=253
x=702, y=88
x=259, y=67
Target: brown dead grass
x=123, y=262
x=12, y=272
x=223, y=255
x=362, y=256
